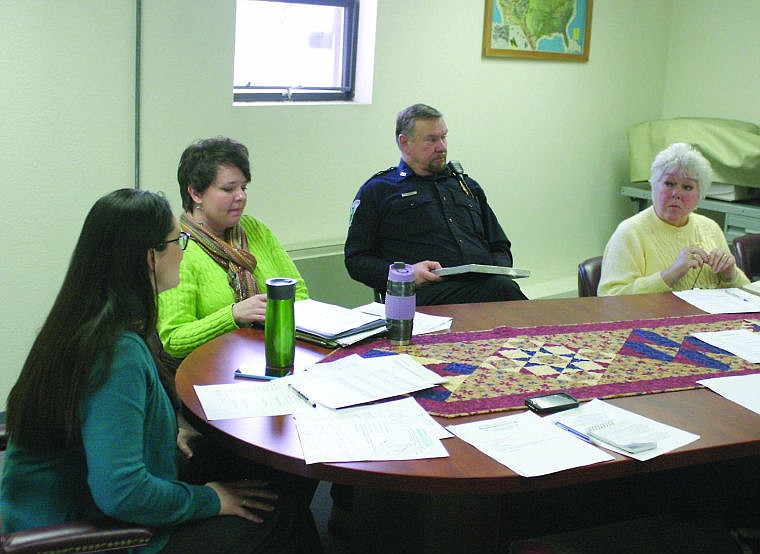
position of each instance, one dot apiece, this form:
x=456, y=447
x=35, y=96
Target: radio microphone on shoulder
x=456, y=171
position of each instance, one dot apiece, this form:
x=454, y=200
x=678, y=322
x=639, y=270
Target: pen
x=732, y=293
x=242, y=375
x=302, y=396
x=573, y=431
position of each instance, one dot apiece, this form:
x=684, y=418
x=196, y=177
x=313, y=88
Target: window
x=295, y=50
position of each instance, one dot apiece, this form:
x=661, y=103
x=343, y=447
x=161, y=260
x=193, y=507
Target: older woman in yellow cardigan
x=667, y=247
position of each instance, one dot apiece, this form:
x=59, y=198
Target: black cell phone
x=548, y=403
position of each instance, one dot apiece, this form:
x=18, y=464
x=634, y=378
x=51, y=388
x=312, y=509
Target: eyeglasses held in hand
x=181, y=240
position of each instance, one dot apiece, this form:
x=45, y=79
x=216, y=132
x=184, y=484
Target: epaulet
x=384, y=171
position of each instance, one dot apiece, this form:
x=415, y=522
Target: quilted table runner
x=496, y=370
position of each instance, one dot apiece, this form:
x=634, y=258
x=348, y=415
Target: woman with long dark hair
x=91, y=420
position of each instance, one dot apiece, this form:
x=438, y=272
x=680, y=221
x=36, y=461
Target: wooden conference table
x=727, y=431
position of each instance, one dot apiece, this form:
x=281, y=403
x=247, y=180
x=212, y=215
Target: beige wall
x=713, y=65
x=545, y=139
x=66, y=133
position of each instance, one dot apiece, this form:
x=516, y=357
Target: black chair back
x=589, y=272
x=747, y=253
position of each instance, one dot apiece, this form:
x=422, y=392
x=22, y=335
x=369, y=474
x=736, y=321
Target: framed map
x=545, y=29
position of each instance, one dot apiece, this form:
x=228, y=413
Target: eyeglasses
x=181, y=240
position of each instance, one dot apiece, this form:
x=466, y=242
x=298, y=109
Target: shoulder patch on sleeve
x=354, y=207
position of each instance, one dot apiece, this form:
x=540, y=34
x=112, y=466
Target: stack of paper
x=528, y=444
x=423, y=323
x=621, y=431
x=396, y=430
x=332, y=325
x=355, y=380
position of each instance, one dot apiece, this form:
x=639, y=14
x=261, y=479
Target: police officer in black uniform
x=425, y=214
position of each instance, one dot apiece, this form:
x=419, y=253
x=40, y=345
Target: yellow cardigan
x=644, y=245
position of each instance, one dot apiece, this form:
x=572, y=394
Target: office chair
x=747, y=252
x=104, y=535
x=589, y=272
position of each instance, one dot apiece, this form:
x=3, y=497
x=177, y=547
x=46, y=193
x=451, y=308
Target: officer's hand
x=422, y=275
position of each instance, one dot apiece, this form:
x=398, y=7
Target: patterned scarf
x=232, y=254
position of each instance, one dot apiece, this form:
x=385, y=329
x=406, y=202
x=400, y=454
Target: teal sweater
x=126, y=468
x=200, y=308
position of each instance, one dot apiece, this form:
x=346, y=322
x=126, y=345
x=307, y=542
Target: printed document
x=528, y=444
x=248, y=399
x=355, y=380
x=596, y=420
x=721, y=301
x=423, y=323
x=742, y=389
x=395, y=430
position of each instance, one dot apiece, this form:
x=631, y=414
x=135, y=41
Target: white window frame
x=291, y=92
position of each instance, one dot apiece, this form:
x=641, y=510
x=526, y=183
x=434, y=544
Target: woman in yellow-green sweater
x=230, y=256
x=667, y=247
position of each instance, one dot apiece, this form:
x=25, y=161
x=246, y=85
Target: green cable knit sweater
x=200, y=308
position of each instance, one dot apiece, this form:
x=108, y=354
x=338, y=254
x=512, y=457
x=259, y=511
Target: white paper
x=247, y=399
x=742, y=389
x=721, y=301
x=598, y=412
x=528, y=445
x=397, y=430
x=356, y=380
x=753, y=287
x=740, y=342
x=423, y=323
x=328, y=319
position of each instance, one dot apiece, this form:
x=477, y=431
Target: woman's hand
x=184, y=438
x=688, y=258
x=723, y=264
x=250, y=310
x=239, y=497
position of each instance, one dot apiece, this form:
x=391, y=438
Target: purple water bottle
x=400, y=303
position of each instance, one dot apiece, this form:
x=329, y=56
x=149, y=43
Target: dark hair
x=408, y=116
x=107, y=290
x=201, y=160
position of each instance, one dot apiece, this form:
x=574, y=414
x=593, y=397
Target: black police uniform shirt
x=398, y=215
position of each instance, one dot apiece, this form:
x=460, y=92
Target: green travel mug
x=280, y=326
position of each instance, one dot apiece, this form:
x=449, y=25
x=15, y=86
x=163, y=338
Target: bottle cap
x=281, y=288
x=400, y=272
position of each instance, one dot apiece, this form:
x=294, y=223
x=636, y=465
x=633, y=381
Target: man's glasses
x=182, y=240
